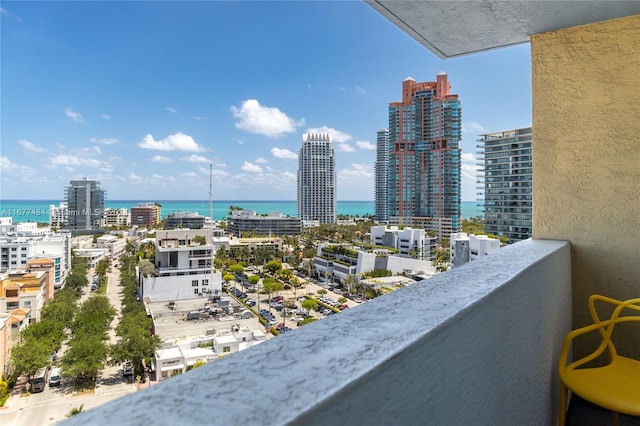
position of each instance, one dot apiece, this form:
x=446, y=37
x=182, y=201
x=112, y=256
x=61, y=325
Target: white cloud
x=365, y=145
x=358, y=170
x=175, y=142
x=200, y=118
x=74, y=116
x=249, y=167
x=360, y=91
x=218, y=173
x=189, y=174
x=268, y=121
x=468, y=171
x=171, y=110
x=104, y=141
x=336, y=135
x=161, y=159
x=105, y=116
x=196, y=159
x=261, y=160
x=291, y=177
x=239, y=141
x=345, y=147
x=468, y=157
x=7, y=166
x=72, y=160
x=30, y=147
x=355, y=181
x=472, y=127
x=283, y=153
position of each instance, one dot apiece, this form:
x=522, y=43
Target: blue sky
x=144, y=95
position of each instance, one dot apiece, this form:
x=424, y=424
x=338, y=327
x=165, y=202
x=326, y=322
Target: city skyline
x=145, y=109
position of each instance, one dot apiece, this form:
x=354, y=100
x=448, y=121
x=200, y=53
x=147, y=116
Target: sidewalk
x=16, y=400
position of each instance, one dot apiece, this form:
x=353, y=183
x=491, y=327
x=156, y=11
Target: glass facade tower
x=382, y=176
x=507, y=183
x=317, y=180
x=424, y=182
x=85, y=201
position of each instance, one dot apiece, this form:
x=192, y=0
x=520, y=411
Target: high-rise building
x=382, y=175
x=317, y=180
x=85, y=201
x=424, y=157
x=507, y=183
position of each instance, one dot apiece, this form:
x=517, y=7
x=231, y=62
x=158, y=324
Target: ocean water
x=38, y=210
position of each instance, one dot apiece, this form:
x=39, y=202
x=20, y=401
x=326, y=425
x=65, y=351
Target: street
x=55, y=403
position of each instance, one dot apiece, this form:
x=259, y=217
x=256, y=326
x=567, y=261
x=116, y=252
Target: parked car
x=277, y=298
x=250, y=302
x=127, y=368
x=54, y=379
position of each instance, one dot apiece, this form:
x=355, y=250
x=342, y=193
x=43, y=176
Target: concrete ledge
x=476, y=345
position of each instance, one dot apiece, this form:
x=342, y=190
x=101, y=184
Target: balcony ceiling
x=454, y=28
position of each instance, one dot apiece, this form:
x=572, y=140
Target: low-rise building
x=184, y=220
x=112, y=243
x=5, y=342
x=184, y=266
x=409, y=242
x=146, y=214
x=199, y=329
x=333, y=263
x=464, y=248
x=17, y=249
x=117, y=217
x=248, y=223
x=24, y=290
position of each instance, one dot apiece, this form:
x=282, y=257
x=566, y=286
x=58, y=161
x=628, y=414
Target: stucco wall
x=586, y=155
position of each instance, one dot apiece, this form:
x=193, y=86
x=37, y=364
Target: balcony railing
x=476, y=345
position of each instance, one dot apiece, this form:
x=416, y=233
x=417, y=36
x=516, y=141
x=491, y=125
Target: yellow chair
x=614, y=386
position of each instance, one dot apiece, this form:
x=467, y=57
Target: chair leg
x=616, y=418
x=562, y=415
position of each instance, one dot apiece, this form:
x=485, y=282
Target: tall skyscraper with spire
x=424, y=157
x=317, y=180
x=382, y=176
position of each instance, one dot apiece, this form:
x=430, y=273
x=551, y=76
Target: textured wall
x=586, y=155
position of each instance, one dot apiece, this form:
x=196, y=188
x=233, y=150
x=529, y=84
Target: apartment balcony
x=476, y=345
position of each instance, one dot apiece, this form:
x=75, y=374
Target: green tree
x=200, y=239
x=237, y=269
x=76, y=281
x=85, y=357
x=273, y=266
x=307, y=321
x=310, y=305
x=270, y=285
x=253, y=279
x=28, y=358
x=322, y=291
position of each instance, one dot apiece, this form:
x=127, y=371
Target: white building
x=17, y=248
x=317, y=180
x=58, y=216
x=415, y=243
x=184, y=266
x=464, y=248
x=178, y=359
x=335, y=265
x=113, y=244
x=117, y=217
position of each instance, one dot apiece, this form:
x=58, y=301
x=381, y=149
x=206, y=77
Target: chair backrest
x=605, y=327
